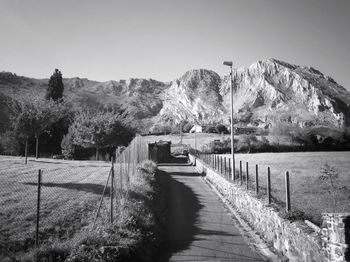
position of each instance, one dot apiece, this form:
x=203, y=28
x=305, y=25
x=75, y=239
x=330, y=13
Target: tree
x=55, y=87
x=330, y=177
x=36, y=116
x=99, y=129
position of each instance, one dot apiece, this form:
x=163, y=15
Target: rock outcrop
x=271, y=90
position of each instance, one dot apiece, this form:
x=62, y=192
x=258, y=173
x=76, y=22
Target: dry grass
x=69, y=189
x=308, y=193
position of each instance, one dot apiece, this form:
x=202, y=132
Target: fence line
x=47, y=200
x=216, y=162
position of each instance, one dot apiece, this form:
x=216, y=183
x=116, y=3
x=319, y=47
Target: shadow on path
x=181, y=215
x=197, y=226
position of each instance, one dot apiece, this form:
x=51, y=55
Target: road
x=198, y=227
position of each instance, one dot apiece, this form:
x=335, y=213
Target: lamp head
x=228, y=63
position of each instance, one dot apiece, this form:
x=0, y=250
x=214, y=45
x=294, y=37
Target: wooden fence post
x=38, y=210
x=269, y=185
x=229, y=168
x=112, y=188
x=247, y=174
x=287, y=191
x=217, y=163
x=225, y=167
x=240, y=172
x=256, y=179
x=221, y=164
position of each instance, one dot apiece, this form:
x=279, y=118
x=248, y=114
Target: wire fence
x=302, y=194
x=51, y=200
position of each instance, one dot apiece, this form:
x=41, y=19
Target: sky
x=161, y=39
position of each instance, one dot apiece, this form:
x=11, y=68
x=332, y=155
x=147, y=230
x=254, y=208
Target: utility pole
x=229, y=63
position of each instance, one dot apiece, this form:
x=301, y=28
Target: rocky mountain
x=193, y=97
x=270, y=91
x=265, y=93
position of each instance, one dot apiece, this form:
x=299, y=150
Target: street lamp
x=229, y=63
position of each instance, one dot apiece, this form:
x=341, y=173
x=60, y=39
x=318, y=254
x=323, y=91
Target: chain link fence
x=48, y=200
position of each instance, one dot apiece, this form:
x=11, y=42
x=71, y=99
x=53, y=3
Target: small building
x=196, y=129
x=160, y=152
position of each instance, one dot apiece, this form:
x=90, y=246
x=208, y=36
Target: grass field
x=308, y=193
x=69, y=189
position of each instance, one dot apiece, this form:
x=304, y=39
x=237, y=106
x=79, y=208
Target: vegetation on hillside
x=51, y=124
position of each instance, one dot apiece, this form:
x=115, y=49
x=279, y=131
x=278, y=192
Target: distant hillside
x=267, y=92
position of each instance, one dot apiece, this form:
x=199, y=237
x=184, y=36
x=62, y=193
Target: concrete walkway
x=199, y=228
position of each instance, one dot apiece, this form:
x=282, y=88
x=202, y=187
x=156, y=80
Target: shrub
x=221, y=129
x=9, y=144
x=68, y=149
x=147, y=166
x=210, y=129
x=161, y=129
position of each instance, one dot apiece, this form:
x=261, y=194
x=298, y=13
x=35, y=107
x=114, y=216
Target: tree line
x=58, y=128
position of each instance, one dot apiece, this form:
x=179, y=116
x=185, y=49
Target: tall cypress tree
x=55, y=88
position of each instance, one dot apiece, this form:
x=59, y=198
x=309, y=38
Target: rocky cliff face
x=270, y=91
x=265, y=93
x=194, y=97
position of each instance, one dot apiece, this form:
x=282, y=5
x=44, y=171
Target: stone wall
x=336, y=235
x=295, y=240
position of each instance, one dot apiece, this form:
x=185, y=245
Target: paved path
x=198, y=226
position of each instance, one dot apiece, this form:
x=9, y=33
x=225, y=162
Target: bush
x=217, y=147
x=9, y=144
x=210, y=129
x=147, y=166
x=221, y=129
x=68, y=149
x=161, y=129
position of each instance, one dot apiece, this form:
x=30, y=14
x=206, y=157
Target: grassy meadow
x=69, y=189
x=308, y=192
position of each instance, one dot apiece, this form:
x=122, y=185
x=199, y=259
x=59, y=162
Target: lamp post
x=229, y=63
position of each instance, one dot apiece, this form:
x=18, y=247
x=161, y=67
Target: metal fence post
x=287, y=191
x=240, y=172
x=256, y=179
x=112, y=188
x=38, y=210
x=269, y=185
